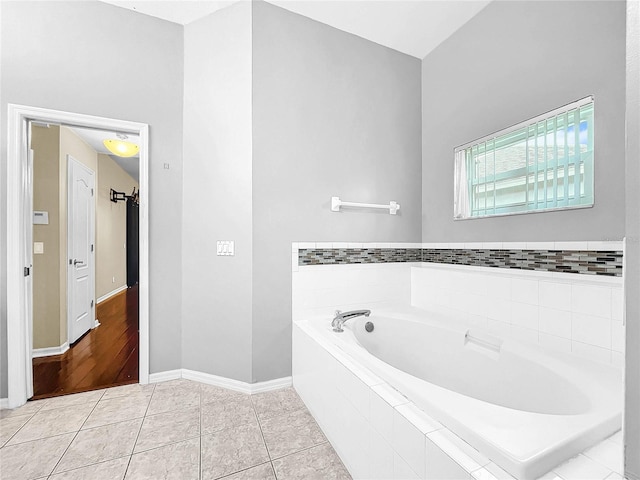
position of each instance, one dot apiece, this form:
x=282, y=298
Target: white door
x=80, y=242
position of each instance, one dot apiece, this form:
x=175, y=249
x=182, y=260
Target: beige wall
x=51, y=147
x=46, y=267
x=111, y=226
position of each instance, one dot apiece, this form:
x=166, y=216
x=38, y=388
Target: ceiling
x=414, y=27
x=176, y=11
x=94, y=138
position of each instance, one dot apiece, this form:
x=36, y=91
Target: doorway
x=81, y=273
x=20, y=256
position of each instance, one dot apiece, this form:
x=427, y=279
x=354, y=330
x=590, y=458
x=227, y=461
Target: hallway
x=105, y=356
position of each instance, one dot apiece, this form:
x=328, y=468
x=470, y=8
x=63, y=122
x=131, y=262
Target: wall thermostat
x=40, y=218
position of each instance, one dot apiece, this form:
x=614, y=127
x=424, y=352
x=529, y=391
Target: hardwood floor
x=105, y=356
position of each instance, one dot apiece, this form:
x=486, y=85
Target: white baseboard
x=4, y=403
x=47, y=352
x=209, y=379
x=269, y=385
x=224, y=382
x=96, y=324
x=164, y=376
x=111, y=294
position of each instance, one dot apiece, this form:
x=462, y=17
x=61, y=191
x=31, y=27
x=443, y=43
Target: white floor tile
x=615, y=476
x=609, y=454
x=617, y=438
x=582, y=468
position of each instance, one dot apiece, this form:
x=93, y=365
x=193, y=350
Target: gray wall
x=333, y=115
x=511, y=62
x=632, y=252
x=216, y=290
x=94, y=58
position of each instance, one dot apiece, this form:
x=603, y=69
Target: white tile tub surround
x=580, y=314
x=323, y=289
x=379, y=434
x=370, y=424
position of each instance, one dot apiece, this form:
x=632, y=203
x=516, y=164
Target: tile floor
x=171, y=430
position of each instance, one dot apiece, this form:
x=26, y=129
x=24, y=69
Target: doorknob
x=78, y=262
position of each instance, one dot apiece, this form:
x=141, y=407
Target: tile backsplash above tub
x=323, y=290
x=579, y=314
x=597, y=262
x=337, y=256
x=576, y=310
x=561, y=257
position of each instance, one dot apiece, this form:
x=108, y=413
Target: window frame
x=532, y=123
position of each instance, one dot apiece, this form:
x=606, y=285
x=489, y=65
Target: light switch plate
x=225, y=248
x=38, y=248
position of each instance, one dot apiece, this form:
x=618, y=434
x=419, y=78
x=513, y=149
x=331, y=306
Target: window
x=542, y=164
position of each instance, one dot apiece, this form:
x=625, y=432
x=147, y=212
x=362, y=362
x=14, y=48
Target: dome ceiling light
x=121, y=147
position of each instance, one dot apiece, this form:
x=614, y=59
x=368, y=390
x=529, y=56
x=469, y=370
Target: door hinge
x=91, y=303
x=92, y=192
x=92, y=247
x=27, y=271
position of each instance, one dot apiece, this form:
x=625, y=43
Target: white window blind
x=541, y=164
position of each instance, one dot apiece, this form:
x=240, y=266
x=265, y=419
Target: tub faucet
x=342, y=317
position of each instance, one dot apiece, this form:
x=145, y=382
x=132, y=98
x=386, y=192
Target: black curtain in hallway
x=133, y=243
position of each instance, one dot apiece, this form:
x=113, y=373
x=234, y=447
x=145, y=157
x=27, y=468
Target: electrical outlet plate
x=225, y=248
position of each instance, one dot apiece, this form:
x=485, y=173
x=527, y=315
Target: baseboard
x=111, y=294
x=49, y=351
x=164, y=376
x=269, y=385
x=209, y=379
x=4, y=403
x=223, y=382
x=96, y=324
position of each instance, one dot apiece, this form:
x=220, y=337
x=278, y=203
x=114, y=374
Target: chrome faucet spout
x=341, y=317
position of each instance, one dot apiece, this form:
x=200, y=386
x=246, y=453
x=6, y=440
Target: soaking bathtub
x=525, y=409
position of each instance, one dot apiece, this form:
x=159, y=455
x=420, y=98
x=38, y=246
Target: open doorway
x=21, y=240
x=85, y=260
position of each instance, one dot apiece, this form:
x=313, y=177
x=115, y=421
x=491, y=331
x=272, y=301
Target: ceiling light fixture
x=121, y=147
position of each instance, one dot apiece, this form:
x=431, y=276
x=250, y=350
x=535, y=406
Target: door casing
x=18, y=189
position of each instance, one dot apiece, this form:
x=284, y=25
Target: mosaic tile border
x=337, y=256
x=586, y=262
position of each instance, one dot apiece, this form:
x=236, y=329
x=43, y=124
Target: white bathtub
x=525, y=409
